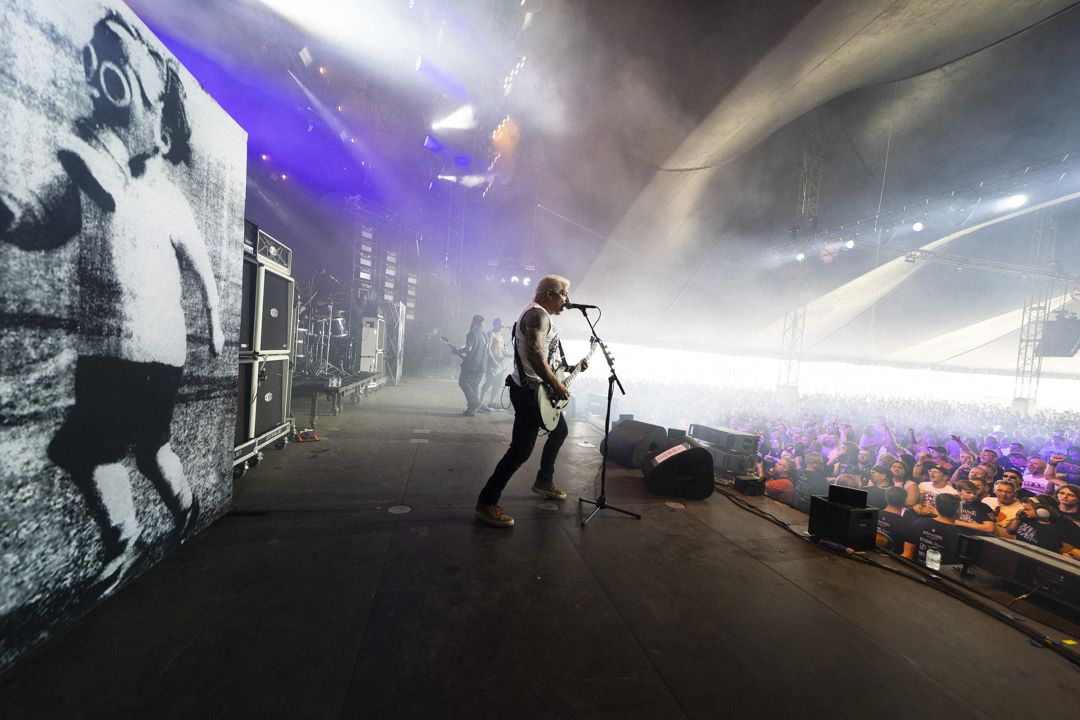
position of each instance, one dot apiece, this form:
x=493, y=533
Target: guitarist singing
x=536, y=350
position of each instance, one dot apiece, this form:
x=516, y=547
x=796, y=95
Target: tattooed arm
x=536, y=325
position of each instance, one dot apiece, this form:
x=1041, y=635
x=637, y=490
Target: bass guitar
x=550, y=404
x=453, y=348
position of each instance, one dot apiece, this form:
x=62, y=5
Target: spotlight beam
x=837, y=308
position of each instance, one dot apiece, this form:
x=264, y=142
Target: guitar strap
x=517, y=360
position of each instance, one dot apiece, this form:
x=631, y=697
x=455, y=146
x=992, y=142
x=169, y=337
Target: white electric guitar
x=551, y=406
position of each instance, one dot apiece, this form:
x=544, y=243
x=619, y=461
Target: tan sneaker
x=493, y=515
x=548, y=490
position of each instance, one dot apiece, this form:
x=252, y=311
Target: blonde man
x=536, y=350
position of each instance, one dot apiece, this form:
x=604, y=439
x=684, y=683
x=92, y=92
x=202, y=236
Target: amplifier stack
x=266, y=343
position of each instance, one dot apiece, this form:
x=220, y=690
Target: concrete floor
x=311, y=600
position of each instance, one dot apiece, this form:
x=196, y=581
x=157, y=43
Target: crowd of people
x=969, y=469
x=934, y=468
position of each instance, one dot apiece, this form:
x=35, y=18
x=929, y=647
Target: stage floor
x=316, y=599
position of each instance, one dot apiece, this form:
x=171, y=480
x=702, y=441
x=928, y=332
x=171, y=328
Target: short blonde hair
x=548, y=283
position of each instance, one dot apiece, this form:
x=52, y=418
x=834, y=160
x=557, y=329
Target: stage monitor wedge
x=723, y=438
x=631, y=441
x=682, y=471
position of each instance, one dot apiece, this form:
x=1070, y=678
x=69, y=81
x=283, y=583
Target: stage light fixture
x=515, y=279
x=472, y=180
x=265, y=157
x=849, y=244
x=464, y=118
x=526, y=281
x=918, y=227
x=1013, y=202
x=799, y=257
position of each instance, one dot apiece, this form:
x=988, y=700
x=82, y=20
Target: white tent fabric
x=840, y=46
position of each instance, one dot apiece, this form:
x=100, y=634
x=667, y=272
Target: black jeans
x=470, y=385
x=526, y=426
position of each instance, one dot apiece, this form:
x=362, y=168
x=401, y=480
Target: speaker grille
x=275, y=313
x=271, y=395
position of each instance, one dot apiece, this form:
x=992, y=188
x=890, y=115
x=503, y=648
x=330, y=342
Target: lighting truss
x=974, y=263
x=1058, y=170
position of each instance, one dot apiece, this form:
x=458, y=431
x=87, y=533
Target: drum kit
x=323, y=344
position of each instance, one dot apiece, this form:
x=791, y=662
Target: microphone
x=576, y=306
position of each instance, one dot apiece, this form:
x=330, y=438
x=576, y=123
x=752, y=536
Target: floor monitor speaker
x=682, y=471
x=630, y=442
x=723, y=438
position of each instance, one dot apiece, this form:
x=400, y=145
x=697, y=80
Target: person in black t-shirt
x=974, y=515
x=1035, y=524
x=880, y=477
x=1068, y=497
x=938, y=533
x=894, y=521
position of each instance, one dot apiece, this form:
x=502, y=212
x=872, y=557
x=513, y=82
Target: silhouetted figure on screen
x=110, y=190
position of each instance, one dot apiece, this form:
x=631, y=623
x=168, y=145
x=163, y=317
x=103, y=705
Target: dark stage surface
x=311, y=600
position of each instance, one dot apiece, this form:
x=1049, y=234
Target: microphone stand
x=601, y=502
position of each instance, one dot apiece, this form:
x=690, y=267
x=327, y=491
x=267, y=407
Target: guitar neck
x=577, y=368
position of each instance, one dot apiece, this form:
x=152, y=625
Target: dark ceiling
x=609, y=93
x=608, y=90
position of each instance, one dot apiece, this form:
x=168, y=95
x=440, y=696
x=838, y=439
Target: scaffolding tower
x=1036, y=310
